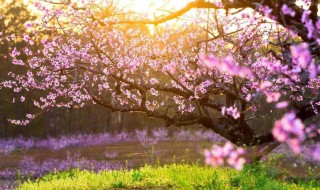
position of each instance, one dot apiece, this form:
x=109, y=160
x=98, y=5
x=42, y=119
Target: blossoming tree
x=232, y=66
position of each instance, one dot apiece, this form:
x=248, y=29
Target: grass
x=175, y=176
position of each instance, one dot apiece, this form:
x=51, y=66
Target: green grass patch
x=175, y=176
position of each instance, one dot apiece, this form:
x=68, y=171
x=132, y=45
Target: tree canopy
x=247, y=69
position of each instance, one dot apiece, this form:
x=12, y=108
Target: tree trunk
x=256, y=153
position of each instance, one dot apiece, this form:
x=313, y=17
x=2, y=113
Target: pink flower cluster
x=290, y=129
x=232, y=111
x=302, y=59
x=266, y=88
x=301, y=55
x=228, y=154
x=226, y=66
x=315, y=153
x=287, y=10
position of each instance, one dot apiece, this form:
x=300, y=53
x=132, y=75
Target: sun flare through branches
x=247, y=70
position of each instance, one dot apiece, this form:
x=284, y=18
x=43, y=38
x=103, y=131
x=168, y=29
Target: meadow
x=174, y=176
x=154, y=159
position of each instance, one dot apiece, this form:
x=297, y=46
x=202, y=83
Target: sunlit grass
x=175, y=176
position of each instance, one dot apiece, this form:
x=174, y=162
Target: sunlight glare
x=153, y=8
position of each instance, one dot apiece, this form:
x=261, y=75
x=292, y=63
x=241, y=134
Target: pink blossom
x=226, y=65
x=289, y=129
x=313, y=71
x=171, y=68
x=318, y=24
x=219, y=3
x=315, y=153
x=266, y=10
x=310, y=27
x=301, y=54
x=154, y=81
x=190, y=109
x=30, y=116
x=305, y=16
x=26, y=37
x=15, y=53
x=19, y=122
x=287, y=10
x=248, y=97
x=265, y=85
x=273, y=97
x=282, y=105
x=208, y=60
x=228, y=154
x=232, y=111
x=154, y=92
